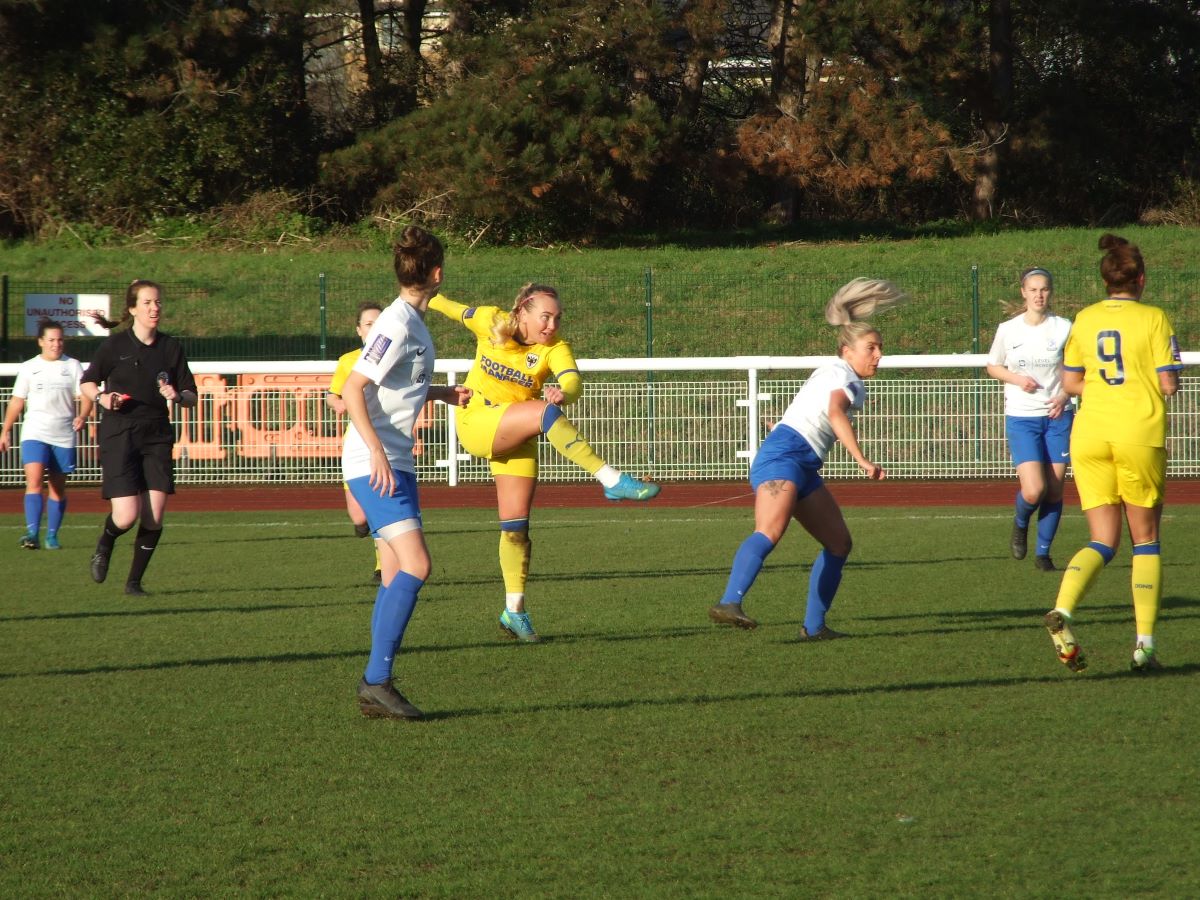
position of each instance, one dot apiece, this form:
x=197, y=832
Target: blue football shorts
x=57, y=460
x=786, y=456
x=403, y=503
x=1039, y=438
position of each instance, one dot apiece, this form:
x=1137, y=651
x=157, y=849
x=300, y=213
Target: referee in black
x=142, y=372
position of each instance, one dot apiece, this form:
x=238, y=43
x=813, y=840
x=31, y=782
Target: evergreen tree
x=555, y=128
x=121, y=111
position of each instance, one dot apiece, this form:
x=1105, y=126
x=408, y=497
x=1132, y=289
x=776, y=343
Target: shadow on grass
x=1029, y=621
x=1185, y=670
x=315, y=657
x=184, y=610
x=327, y=536
x=611, y=575
x=1097, y=612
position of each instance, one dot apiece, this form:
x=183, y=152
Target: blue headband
x=1049, y=277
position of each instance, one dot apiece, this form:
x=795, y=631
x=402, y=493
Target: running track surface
x=687, y=495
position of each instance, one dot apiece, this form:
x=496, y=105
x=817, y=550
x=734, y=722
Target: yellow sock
x=376, y=543
x=565, y=438
x=515, y=550
x=1080, y=573
x=1147, y=586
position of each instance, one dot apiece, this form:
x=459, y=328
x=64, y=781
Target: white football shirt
x=49, y=389
x=1033, y=350
x=397, y=359
x=808, y=413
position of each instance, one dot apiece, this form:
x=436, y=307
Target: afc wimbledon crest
x=531, y=360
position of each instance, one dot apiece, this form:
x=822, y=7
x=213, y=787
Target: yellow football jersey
x=345, y=365
x=1120, y=346
x=511, y=372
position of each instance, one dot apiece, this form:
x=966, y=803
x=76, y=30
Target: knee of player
x=840, y=546
x=550, y=415
x=514, y=531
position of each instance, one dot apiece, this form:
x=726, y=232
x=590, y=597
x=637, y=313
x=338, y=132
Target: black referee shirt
x=126, y=365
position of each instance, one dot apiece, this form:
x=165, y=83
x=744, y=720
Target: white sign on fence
x=72, y=311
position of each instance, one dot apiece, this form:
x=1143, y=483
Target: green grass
x=710, y=297
x=204, y=741
x=1168, y=248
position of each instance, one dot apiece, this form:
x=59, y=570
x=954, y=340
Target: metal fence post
x=650, y=374
x=324, y=328
x=4, y=318
x=975, y=308
x=649, y=293
x=975, y=349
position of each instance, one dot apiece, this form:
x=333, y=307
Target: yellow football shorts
x=477, y=426
x=1107, y=474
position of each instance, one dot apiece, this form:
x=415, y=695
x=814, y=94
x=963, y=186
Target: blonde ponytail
x=855, y=303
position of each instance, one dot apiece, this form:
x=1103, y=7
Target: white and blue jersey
x=397, y=359
x=797, y=446
x=1033, y=350
x=808, y=413
x=49, y=388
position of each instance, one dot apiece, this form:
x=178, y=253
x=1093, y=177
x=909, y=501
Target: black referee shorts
x=138, y=458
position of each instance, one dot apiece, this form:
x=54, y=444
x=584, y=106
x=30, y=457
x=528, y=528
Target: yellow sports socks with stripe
x=515, y=551
x=565, y=438
x=1080, y=573
x=1147, y=586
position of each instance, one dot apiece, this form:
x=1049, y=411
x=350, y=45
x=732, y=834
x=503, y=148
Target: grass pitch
x=204, y=741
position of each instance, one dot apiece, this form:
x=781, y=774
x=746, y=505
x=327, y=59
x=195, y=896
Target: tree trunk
x=373, y=59
x=997, y=110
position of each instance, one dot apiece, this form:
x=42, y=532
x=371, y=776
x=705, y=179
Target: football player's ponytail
x=855, y=303
x=131, y=297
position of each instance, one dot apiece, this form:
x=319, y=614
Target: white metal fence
x=670, y=419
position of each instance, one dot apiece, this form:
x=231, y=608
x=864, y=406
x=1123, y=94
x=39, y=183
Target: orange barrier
x=286, y=416
x=198, y=431
x=263, y=417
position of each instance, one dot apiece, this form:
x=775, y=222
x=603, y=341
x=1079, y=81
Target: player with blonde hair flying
x=517, y=352
x=1122, y=359
x=785, y=473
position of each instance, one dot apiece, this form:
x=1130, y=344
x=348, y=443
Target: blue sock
x=375, y=609
x=393, y=609
x=55, y=510
x=1024, y=511
x=823, y=582
x=1048, y=517
x=33, y=512
x=746, y=565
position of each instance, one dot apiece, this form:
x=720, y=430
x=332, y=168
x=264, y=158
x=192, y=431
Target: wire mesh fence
x=275, y=428
x=645, y=313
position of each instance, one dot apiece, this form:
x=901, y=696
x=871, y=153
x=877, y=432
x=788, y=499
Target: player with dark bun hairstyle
x=384, y=393
x=1123, y=361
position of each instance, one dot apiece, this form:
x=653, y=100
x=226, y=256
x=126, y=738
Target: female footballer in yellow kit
x=1123, y=360
x=516, y=353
